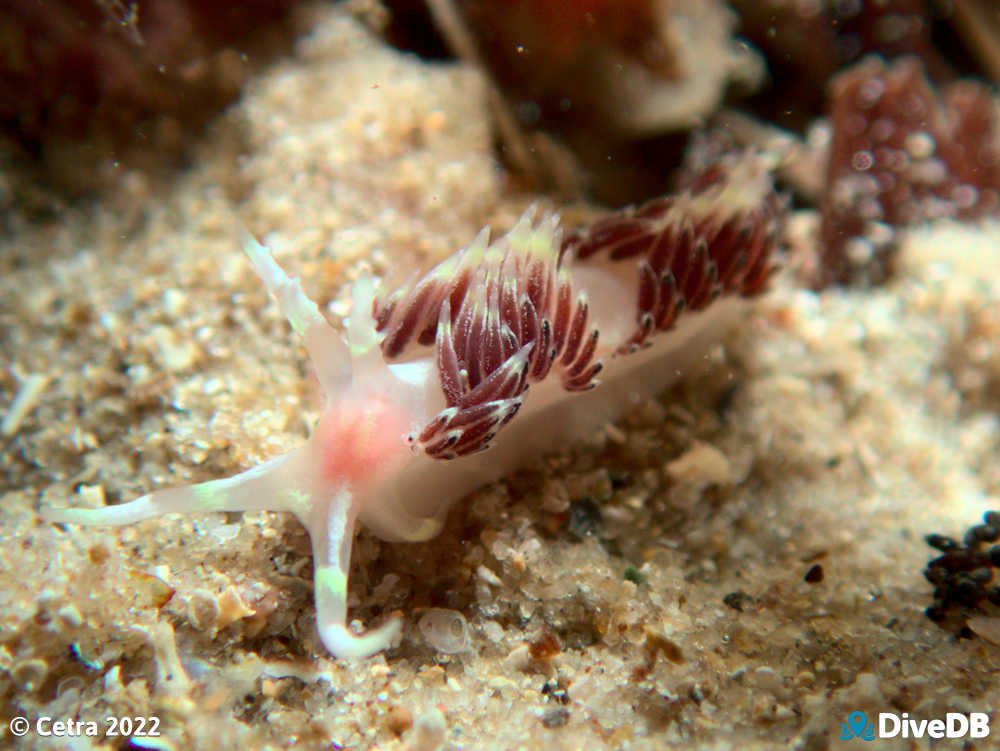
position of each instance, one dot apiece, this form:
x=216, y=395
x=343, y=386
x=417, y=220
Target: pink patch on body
x=359, y=441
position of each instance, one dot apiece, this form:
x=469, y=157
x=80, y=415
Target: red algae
x=902, y=153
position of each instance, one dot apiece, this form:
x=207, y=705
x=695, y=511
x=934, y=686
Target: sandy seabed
x=644, y=589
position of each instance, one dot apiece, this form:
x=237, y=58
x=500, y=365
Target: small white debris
x=174, y=302
x=384, y=588
x=29, y=674
x=445, y=630
x=487, y=575
x=27, y=397
x=173, y=353
x=170, y=675
x=614, y=433
x=203, y=609
x=919, y=145
x=91, y=496
x=555, y=499
x=987, y=627
x=70, y=615
x=702, y=464
x=860, y=251
x=428, y=731
x=231, y=608
x=518, y=659
x=494, y=632
x=866, y=691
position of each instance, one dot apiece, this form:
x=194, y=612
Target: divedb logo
x=892, y=725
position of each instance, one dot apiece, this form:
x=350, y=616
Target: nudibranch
x=490, y=358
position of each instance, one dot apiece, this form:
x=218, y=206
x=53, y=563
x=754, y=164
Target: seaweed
x=901, y=153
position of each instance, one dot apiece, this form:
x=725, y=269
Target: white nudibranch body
x=489, y=359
